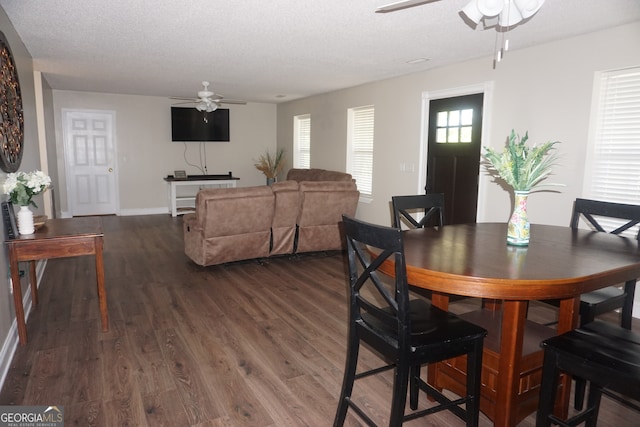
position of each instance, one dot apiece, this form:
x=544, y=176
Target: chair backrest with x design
x=431, y=204
x=378, y=305
x=591, y=210
x=406, y=333
x=599, y=215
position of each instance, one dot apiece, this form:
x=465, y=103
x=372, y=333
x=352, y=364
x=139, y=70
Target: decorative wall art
x=11, y=115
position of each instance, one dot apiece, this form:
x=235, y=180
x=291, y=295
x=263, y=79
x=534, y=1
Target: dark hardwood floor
x=244, y=344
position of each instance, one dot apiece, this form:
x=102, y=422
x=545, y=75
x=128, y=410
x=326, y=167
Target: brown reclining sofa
x=301, y=214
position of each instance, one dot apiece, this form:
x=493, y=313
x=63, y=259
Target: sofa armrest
x=287, y=207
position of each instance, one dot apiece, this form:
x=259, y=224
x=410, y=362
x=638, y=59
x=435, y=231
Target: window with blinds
x=615, y=167
x=360, y=147
x=302, y=141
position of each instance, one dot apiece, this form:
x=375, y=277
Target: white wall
x=545, y=90
x=30, y=161
x=146, y=154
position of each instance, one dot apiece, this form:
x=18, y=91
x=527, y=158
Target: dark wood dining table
x=474, y=260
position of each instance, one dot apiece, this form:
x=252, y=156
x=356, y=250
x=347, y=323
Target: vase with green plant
x=271, y=164
x=523, y=168
x=21, y=187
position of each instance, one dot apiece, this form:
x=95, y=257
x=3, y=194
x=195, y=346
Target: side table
x=58, y=238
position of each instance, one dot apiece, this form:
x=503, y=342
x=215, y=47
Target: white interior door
x=90, y=162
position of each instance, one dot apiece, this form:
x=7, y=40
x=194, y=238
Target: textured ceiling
x=269, y=51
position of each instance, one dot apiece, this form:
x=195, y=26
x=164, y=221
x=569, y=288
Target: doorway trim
x=487, y=89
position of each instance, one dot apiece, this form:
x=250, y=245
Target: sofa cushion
x=322, y=206
x=231, y=211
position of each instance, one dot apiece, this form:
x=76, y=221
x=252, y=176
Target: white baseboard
x=145, y=211
x=10, y=344
x=130, y=212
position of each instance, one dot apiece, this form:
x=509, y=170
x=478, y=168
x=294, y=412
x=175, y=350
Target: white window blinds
x=302, y=141
x=616, y=157
x=614, y=172
x=360, y=148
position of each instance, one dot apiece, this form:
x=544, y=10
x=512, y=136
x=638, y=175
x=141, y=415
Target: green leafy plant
x=22, y=186
x=521, y=166
x=271, y=164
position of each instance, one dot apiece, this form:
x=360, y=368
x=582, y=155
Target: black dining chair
x=606, y=355
x=405, y=333
x=601, y=301
x=432, y=205
x=608, y=299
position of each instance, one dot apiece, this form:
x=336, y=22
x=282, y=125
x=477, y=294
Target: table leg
x=17, y=296
x=33, y=279
x=172, y=195
x=513, y=323
x=102, y=293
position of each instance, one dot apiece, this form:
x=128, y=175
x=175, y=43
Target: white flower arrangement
x=22, y=186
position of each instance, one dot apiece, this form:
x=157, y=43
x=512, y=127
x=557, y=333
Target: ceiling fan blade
x=404, y=4
x=231, y=101
x=179, y=98
x=185, y=102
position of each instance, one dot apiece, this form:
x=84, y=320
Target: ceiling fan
x=509, y=12
x=207, y=100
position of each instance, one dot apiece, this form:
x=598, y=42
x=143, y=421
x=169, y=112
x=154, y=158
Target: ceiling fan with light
x=207, y=100
x=509, y=12
x=499, y=14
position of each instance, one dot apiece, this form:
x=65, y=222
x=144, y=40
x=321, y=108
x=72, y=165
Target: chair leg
x=399, y=399
x=587, y=316
x=414, y=388
x=474, y=364
x=348, y=379
x=547, y=389
x=593, y=404
x=627, y=307
x=580, y=391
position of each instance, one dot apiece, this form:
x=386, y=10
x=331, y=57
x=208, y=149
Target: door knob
x=110, y=169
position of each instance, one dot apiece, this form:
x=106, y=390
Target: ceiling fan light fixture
x=528, y=8
x=472, y=12
x=509, y=12
x=509, y=16
x=491, y=7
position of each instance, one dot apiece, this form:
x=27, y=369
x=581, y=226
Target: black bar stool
x=406, y=333
x=605, y=354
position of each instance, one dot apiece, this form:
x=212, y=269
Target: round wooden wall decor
x=11, y=116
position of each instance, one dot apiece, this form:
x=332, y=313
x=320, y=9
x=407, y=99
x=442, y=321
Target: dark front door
x=453, y=158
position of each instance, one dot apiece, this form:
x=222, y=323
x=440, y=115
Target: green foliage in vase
x=521, y=166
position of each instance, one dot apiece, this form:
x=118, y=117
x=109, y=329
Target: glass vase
x=518, y=227
x=25, y=221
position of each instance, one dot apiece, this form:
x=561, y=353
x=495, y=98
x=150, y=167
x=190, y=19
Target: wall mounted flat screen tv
x=189, y=124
